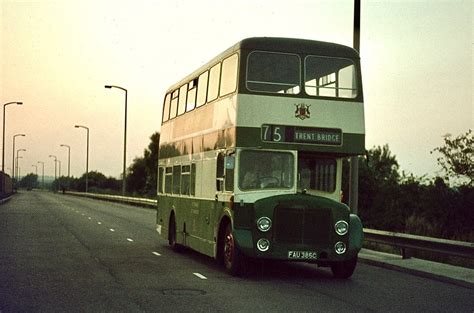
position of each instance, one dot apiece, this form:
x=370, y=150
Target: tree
x=30, y=181
x=142, y=173
x=151, y=163
x=457, y=157
x=97, y=182
x=137, y=176
x=379, y=190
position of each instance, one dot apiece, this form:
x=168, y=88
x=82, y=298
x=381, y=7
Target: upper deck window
x=174, y=103
x=273, y=72
x=166, y=108
x=330, y=77
x=214, y=80
x=229, y=75
x=202, y=88
x=182, y=99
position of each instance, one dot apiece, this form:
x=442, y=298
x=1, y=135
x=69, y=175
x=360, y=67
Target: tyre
x=231, y=254
x=344, y=269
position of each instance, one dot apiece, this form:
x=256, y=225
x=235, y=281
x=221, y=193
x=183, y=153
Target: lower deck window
x=168, y=179
x=160, y=179
x=176, y=179
x=317, y=173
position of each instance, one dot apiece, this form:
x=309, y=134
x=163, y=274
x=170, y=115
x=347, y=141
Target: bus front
x=299, y=114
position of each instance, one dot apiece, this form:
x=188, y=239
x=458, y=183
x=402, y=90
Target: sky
x=56, y=56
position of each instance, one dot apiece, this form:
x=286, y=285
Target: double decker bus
x=251, y=151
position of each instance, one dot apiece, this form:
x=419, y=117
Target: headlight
x=263, y=244
x=264, y=224
x=341, y=228
x=340, y=247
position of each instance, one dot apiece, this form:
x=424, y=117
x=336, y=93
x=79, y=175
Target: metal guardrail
x=115, y=198
x=399, y=240
x=406, y=242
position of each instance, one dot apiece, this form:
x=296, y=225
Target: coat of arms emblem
x=302, y=111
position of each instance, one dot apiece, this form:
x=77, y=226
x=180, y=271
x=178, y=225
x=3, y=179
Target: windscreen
x=265, y=170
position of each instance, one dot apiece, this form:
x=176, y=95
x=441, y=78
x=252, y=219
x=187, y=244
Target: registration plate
x=302, y=255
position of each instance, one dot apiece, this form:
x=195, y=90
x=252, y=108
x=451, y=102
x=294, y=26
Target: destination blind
x=308, y=135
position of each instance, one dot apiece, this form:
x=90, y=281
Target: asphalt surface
x=61, y=253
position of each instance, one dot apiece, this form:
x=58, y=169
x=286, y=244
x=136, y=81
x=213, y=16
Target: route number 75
x=273, y=133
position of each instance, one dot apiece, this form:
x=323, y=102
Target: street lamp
x=13, y=161
x=3, y=141
x=68, y=159
x=42, y=179
x=87, y=154
x=55, y=161
x=124, y=138
x=18, y=168
x=18, y=157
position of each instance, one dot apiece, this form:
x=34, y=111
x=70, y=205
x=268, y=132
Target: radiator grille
x=302, y=225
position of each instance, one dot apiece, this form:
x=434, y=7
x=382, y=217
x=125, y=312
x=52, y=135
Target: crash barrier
x=116, y=198
x=407, y=242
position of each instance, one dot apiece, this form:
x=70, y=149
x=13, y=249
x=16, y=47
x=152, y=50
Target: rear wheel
x=231, y=253
x=344, y=269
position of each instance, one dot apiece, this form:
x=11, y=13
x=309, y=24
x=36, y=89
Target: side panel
x=197, y=216
x=196, y=221
x=213, y=117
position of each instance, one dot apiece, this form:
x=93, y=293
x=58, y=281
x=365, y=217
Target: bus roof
x=280, y=44
x=304, y=46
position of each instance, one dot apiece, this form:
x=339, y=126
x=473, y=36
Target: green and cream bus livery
x=251, y=150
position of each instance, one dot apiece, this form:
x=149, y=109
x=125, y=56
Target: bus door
x=224, y=182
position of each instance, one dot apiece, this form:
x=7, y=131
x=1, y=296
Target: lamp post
x=87, y=154
x=36, y=167
x=3, y=141
x=124, y=174
x=55, y=161
x=59, y=169
x=42, y=178
x=68, y=159
x=18, y=157
x=18, y=168
x=13, y=158
x=354, y=160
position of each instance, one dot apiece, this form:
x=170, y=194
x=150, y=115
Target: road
x=61, y=253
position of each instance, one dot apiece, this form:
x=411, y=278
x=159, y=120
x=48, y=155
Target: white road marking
x=89, y=217
x=100, y=223
x=111, y=229
x=156, y=253
x=200, y=276
x=130, y=239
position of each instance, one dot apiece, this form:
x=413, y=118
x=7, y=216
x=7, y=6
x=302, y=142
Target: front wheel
x=232, y=255
x=344, y=269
